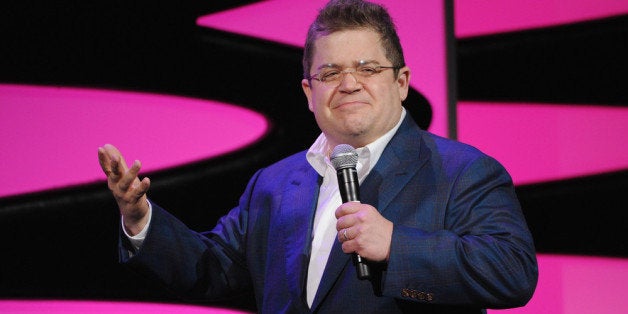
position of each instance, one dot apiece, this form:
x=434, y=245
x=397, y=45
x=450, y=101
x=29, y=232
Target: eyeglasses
x=332, y=76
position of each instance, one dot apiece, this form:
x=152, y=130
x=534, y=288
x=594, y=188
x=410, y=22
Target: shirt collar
x=368, y=155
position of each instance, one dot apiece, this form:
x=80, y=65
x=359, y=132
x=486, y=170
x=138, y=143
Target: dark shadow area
x=584, y=215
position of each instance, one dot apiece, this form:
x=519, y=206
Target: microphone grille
x=344, y=156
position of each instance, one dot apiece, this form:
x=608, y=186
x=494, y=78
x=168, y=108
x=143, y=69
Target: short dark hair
x=339, y=15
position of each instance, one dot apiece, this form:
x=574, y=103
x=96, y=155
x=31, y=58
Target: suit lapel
x=399, y=162
x=297, y=212
x=336, y=263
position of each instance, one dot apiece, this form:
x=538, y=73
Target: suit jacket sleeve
x=196, y=266
x=474, y=250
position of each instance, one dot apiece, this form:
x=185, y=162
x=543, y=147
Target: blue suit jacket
x=460, y=242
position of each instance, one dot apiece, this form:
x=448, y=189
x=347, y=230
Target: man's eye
x=366, y=71
x=329, y=76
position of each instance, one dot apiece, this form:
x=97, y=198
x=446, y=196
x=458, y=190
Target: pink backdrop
x=540, y=142
x=483, y=17
x=51, y=135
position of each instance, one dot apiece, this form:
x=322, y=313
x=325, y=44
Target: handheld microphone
x=344, y=158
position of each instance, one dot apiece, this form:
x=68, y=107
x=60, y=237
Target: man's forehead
x=347, y=48
x=354, y=36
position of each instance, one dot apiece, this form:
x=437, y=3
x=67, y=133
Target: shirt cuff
x=138, y=239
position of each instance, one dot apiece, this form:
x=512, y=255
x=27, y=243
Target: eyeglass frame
x=354, y=70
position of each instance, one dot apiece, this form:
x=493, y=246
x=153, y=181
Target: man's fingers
x=103, y=160
x=130, y=176
x=345, y=234
x=345, y=222
x=137, y=190
x=351, y=213
x=116, y=172
x=134, y=170
x=347, y=208
x=122, y=179
x=107, y=163
x=118, y=165
x=144, y=185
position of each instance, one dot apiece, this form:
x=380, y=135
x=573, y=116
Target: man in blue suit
x=439, y=223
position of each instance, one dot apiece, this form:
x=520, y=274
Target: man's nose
x=349, y=82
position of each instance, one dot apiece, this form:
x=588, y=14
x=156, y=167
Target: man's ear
x=307, y=90
x=403, y=82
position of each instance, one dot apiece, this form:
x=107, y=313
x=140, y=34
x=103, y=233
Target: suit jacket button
x=429, y=297
x=421, y=296
x=416, y=294
x=405, y=293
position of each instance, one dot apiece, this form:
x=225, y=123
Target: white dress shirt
x=324, y=229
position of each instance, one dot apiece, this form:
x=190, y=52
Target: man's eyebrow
x=328, y=66
x=365, y=62
x=337, y=66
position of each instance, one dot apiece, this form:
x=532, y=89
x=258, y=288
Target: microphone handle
x=349, y=187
